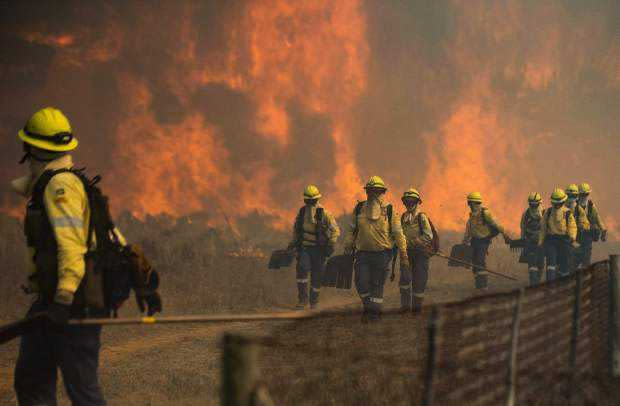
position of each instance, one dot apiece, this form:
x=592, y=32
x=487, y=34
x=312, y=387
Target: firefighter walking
x=558, y=234
x=480, y=230
x=575, y=258
x=597, y=230
x=417, y=229
x=531, y=222
x=315, y=233
x=374, y=230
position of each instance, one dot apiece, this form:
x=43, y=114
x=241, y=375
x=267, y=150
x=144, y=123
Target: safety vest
x=532, y=223
x=309, y=233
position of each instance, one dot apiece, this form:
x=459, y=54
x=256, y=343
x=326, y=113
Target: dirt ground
x=180, y=364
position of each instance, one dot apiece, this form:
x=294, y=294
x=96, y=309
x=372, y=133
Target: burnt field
x=216, y=270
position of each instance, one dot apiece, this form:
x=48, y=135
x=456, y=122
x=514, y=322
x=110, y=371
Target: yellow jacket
x=68, y=211
x=581, y=218
x=309, y=226
x=479, y=225
x=417, y=229
x=373, y=231
x=531, y=222
x=558, y=222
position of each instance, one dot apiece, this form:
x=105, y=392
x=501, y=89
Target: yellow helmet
x=584, y=189
x=312, y=192
x=375, y=182
x=558, y=196
x=474, y=197
x=411, y=193
x=534, y=197
x=572, y=190
x=49, y=129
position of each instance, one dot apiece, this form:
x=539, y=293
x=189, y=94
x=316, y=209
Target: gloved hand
x=59, y=313
x=348, y=250
x=329, y=250
x=150, y=302
x=604, y=235
x=575, y=244
x=404, y=261
x=507, y=238
x=291, y=247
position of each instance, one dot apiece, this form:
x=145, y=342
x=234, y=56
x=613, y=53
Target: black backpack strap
x=299, y=223
x=420, y=222
x=389, y=211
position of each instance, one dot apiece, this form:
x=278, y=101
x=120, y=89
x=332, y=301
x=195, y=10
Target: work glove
x=404, y=261
x=575, y=244
x=348, y=250
x=604, y=235
x=329, y=250
x=58, y=313
x=147, y=298
x=291, y=247
x=507, y=238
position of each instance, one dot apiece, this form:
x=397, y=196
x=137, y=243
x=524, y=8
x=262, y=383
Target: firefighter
x=583, y=226
x=480, y=230
x=419, y=234
x=597, y=227
x=558, y=234
x=57, y=243
x=375, y=229
x=315, y=233
x=530, y=229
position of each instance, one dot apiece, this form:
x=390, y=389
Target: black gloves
x=150, y=302
x=59, y=313
x=147, y=298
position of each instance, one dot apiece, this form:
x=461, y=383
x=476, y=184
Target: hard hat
x=558, y=196
x=49, y=129
x=534, y=197
x=584, y=189
x=572, y=190
x=311, y=192
x=411, y=193
x=474, y=197
x=375, y=182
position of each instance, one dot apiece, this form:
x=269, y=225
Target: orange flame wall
x=236, y=106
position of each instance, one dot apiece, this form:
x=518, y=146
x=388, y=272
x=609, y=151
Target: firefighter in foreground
x=417, y=229
x=59, y=239
x=583, y=226
x=480, y=230
x=315, y=233
x=531, y=222
x=374, y=230
x=557, y=235
x=597, y=227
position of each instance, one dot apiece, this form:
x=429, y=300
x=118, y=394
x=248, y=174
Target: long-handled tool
x=442, y=255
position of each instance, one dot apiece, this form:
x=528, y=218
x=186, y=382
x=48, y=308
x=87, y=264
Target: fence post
x=431, y=362
x=514, y=347
x=239, y=370
x=572, y=361
x=614, y=327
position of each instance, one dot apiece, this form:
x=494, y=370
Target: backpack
x=435, y=241
x=389, y=210
x=112, y=270
x=494, y=230
x=321, y=229
x=547, y=213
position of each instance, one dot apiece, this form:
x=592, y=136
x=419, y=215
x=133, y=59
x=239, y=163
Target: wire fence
x=537, y=345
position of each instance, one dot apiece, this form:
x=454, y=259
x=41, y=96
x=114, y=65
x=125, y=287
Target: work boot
x=405, y=300
x=417, y=304
x=534, y=276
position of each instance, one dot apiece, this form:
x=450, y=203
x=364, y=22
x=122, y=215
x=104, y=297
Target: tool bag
x=338, y=272
x=280, y=259
x=462, y=252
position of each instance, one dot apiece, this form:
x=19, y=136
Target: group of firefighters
x=59, y=238
x=560, y=236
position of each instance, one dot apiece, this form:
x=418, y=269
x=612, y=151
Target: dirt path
x=158, y=365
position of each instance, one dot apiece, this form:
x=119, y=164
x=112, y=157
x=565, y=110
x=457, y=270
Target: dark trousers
x=414, y=279
x=310, y=261
x=480, y=250
x=73, y=349
x=558, y=253
x=535, y=261
x=371, y=270
x=583, y=254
